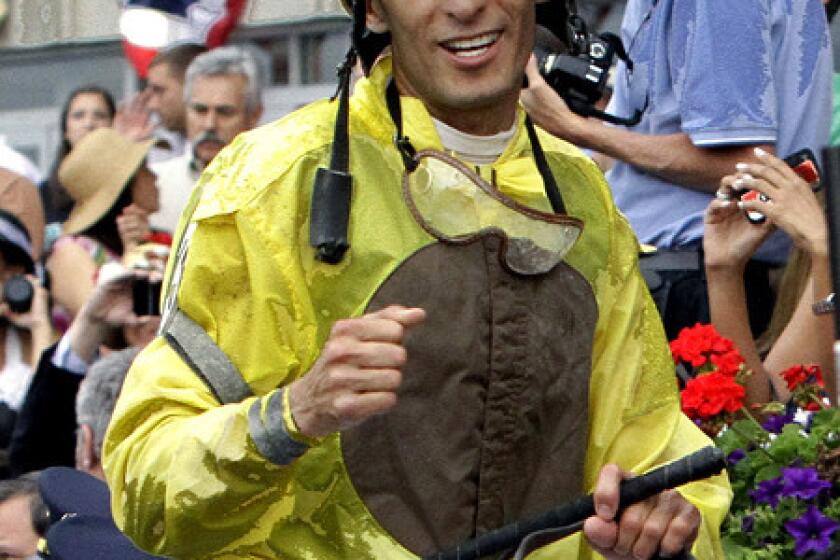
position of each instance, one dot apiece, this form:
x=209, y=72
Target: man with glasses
x=423, y=318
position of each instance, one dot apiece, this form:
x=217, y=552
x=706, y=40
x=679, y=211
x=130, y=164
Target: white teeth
x=473, y=53
x=473, y=45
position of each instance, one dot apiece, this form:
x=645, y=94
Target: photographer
x=45, y=433
x=25, y=328
x=801, y=330
x=713, y=80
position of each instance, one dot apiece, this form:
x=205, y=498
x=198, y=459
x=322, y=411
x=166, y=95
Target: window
x=279, y=67
x=320, y=54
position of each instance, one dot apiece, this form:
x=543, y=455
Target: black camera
x=146, y=296
x=18, y=293
x=580, y=75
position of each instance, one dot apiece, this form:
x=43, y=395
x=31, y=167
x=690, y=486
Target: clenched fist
x=358, y=373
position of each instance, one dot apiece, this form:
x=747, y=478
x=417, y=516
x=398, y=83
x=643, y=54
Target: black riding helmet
x=551, y=14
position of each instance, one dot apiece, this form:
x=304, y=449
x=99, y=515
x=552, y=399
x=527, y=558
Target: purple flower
x=803, y=483
x=736, y=456
x=812, y=531
x=768, y=491
x=748, y=524
x=776, y=422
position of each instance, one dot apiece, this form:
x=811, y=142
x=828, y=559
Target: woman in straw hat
x=86, y=109
x=113, y=194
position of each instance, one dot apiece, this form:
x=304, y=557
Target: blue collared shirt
x=725, y=72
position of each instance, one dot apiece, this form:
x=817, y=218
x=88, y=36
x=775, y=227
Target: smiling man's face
x=464, y=58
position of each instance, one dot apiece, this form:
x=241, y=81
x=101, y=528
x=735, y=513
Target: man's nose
x=154, y=100
x=465, y=10
x=210, y=120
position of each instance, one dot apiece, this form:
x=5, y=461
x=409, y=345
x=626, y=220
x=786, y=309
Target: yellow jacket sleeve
x=189, y=477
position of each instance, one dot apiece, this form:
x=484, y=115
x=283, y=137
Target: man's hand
x=134, y=119
x=667, y=523
x=133, y=227
x=547, y=109
x=357, y=374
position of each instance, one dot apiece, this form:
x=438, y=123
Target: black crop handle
x=702, y=464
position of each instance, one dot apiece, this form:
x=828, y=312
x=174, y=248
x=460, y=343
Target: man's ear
x=254, y=117
x=86, y=458
x=375, y=17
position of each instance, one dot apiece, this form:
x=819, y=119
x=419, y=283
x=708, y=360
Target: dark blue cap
x=81, y=526
x=68, y=491
x=91, y=538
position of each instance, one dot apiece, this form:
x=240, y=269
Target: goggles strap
x=549, y=183
x=407, y=151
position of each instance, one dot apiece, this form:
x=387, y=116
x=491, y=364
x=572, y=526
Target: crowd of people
x=83, y=241
x=399, y=319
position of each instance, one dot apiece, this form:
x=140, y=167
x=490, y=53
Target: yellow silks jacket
x=186, y=476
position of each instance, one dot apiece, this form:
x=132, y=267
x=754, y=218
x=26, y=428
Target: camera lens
x=18, y=293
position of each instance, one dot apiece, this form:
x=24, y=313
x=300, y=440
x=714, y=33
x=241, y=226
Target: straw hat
x=20, y=197
x=96, y=172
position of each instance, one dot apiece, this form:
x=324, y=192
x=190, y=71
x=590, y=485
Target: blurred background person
x=46, y=433
x=223, y=97
x=86, y=109
x=95, y=404
x=16, y=162
x=23, y=517
x=113, y=195
x=165, y=84
x=801, y=329
x=25, y=327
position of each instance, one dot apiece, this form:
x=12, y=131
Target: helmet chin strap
x=367, y=44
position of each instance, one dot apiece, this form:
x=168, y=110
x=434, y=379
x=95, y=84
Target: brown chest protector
x=491, y=424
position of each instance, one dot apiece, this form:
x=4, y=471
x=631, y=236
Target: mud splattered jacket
x=516, y=392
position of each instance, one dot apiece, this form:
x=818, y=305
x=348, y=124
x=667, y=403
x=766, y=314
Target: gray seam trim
x=209, y=361
x=272, y=439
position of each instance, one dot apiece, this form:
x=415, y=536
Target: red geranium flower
x=698, y=344
x=800, y=374
x=729, y=363
x=708, y=395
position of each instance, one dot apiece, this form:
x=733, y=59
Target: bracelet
x=824, y=306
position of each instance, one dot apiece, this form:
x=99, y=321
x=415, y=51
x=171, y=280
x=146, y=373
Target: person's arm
x=45, y=434
x=72, y=272
x=794, y=208
x=672, y=157
x=807, y=338
x=729, y=241
x=170, y=435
